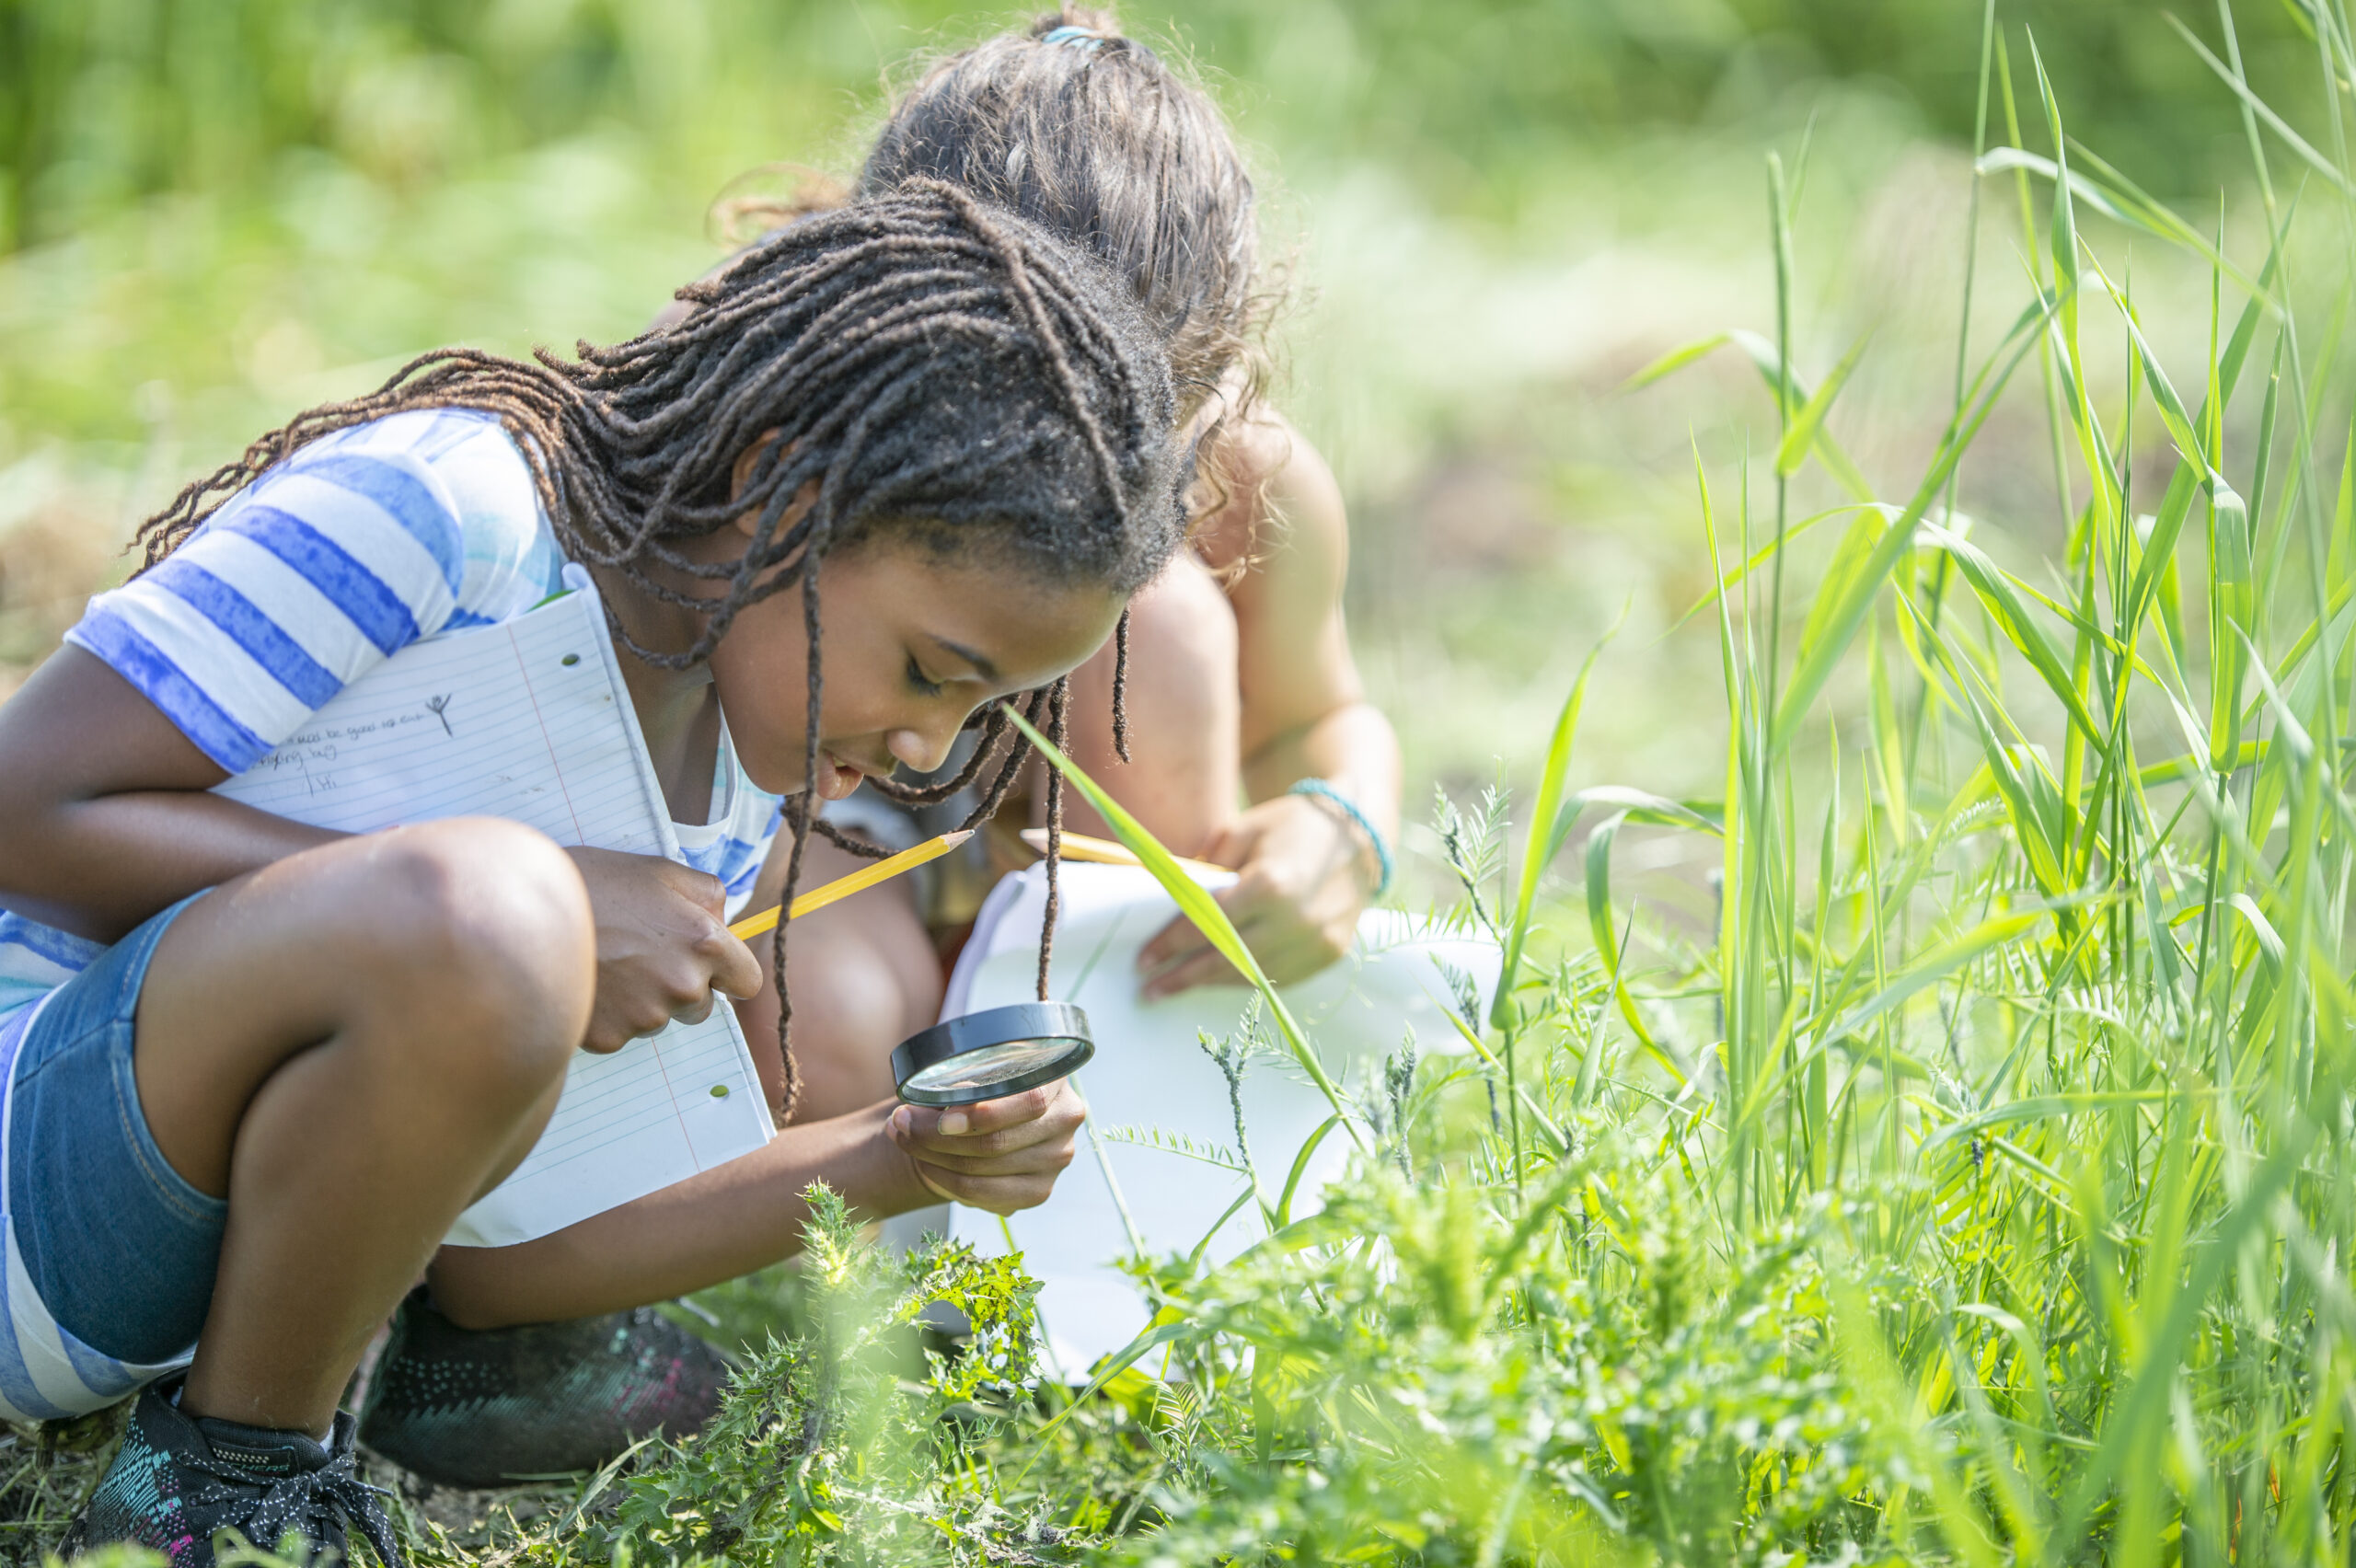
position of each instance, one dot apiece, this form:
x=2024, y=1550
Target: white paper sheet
x=530, y=721
x=1150, y=1072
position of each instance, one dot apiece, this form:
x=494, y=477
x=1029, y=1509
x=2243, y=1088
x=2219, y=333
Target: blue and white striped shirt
x=358, y=545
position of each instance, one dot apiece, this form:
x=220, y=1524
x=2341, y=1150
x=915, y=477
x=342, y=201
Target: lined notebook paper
x=530, y=721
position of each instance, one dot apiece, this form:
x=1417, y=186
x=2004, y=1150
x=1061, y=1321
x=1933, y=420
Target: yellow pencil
x=858, y=881
x=1104, y=852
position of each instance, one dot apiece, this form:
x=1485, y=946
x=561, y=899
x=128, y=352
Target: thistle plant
x=850, y=1444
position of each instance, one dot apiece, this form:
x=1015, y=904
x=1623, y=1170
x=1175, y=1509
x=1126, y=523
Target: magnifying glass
x=996, y=1052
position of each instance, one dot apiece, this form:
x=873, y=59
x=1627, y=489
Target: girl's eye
x=917, y=681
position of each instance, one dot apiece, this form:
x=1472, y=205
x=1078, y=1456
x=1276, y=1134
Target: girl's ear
x=740, y=474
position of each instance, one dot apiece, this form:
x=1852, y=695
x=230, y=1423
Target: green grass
x=1963, y=1173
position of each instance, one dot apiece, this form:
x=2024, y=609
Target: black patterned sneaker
x=476, y=1409
x=178, y=1481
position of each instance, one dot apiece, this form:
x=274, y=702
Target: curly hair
x=1096, y=137
x=1093, y=136
x=935, y=369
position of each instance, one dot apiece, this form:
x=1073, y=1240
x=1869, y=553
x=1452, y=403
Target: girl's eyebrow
x=982, y=666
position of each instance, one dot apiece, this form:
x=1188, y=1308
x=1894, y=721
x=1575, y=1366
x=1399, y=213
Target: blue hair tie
x=1081, y=38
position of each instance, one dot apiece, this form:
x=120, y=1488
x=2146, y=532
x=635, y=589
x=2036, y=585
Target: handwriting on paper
x=311, y=752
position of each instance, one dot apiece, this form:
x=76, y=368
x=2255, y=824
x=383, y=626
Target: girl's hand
x=662, y=946
x=999, y=1155
x=1305, y=873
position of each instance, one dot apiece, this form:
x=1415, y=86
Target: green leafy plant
x=850, y=1445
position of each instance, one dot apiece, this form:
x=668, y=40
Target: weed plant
x=1978, y=1189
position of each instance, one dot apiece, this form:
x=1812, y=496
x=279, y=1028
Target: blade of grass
x=1784, y=387
x=1818, y=655
x=2119, y=202
x=1537, y=847
x=1995, y=587
x=2258, y=106
x=2161, y=1358
x=1801, y=438
x=1196, y=904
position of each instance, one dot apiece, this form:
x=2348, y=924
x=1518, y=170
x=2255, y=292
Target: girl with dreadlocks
x=901, y=463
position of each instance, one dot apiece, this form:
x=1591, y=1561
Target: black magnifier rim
x=993, y=1026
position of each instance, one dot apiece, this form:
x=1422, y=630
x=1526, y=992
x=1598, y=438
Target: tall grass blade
x=2257, y=106
x=2161, y=1356
x=1199, y=907
x=2121, y=201
x=1537, y=849
x=1782, y=383
x=1801, y=438
x=1838, y=620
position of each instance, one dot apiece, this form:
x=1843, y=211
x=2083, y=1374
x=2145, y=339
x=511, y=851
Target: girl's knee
x=486, y=924
x=873, y=977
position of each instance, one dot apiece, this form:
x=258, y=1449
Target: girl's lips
x=836, y=779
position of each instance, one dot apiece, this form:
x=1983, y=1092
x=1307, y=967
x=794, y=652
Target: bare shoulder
x=1277, y=503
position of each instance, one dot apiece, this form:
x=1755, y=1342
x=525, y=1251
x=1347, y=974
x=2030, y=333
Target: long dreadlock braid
x=919, y=365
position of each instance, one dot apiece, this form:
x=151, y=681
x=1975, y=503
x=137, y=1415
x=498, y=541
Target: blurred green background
x=214, y=213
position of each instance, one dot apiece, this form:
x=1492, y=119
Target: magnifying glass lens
x=990, y=1065
x=998, y=1051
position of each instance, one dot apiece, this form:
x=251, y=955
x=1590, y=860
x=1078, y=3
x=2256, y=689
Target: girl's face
x=910, y=645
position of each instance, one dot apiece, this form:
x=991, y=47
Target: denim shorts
x=120, y=1247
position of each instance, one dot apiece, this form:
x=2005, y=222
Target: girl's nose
x=918, y=752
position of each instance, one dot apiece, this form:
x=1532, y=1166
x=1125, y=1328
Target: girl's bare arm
x=884, y=1159
x=1305, y=713
x=749, y=1213
x=105, y=815
x=1306, y=872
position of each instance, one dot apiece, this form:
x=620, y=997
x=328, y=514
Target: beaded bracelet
x=1325, y=790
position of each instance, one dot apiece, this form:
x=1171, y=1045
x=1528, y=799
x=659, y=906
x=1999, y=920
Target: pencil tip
x=956, y=836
